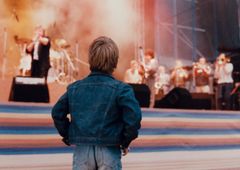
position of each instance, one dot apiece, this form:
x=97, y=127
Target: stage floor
x=169, y=140
x=175, y=160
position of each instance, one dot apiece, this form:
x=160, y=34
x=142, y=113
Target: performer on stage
x=223, y=75
x=150, y=67
x=134, y=74
x=162, y=81
x=179, y=75
x=201, y=73
x=39, y=50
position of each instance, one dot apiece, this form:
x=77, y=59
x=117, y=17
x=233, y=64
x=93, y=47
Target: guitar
x=149, y=67
x=237, y=85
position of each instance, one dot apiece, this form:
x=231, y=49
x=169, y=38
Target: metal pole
x=77, y=50
x=77, y=56
x=215, y=39
x=5, y=36
x=136, y=52
x=175, y=29
x=140, y=32
x=143, y=23
x=194, y=34
x=157, y=29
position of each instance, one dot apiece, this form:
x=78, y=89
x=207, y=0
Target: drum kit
x=63, y=69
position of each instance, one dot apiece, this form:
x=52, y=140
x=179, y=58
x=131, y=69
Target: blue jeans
x=91, y=157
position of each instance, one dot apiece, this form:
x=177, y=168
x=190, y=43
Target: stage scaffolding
x=139, y=6
x=195, y=28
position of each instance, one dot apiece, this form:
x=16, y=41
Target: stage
x=176, y=31
x=169, y=139
x=55, y=91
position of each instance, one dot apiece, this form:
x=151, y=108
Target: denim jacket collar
x=98, y=73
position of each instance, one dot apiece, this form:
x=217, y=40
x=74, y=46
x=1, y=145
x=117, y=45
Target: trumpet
x=198, y=66
x=158, y=85
x=223, y=60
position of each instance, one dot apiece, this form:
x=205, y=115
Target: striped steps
x=29, y=130
x=168, y=140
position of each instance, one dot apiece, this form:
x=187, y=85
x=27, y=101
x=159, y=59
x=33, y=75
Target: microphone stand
x=5, y=36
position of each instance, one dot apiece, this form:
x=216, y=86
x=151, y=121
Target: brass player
x=134, y=74
x=223, y=75
x=179, y=75
x=201, y=73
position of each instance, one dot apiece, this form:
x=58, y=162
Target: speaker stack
x=142, y=94
x=29, y=89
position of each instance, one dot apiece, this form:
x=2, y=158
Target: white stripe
x=174, y=160
x=141, y=137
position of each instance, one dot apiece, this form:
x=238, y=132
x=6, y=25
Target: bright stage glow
x=75, y=20
x=44, y=17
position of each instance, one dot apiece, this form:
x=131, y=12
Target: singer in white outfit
x=223, y=75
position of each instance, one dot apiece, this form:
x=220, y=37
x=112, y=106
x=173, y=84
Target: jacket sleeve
x=59, y=115
x=131, y=115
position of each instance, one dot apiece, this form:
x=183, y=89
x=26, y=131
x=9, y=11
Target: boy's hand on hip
x=125, y=151
x=65, y=140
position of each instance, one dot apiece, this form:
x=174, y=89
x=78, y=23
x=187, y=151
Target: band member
x=25, y=65
x=162, y=81
x=133, y=74
x=150, y=68
x=25, y=61
x=201, y=72
x=235, y=95
x=179, y=75
x=39, y=50
x=223, y=75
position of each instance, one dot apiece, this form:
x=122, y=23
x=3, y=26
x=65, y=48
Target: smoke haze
x=75, y=21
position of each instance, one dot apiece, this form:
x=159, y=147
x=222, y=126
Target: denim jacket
x=103, y=111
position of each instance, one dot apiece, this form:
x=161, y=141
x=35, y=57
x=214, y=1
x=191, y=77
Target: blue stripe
x=28, y=130
x=47, y=150
x=55, y=150
x=146, y=113
x=25, y=109
x=192, y=115
x=143, y=131
x=184, y=148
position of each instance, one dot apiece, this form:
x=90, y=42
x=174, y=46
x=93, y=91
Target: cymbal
x=62, y=43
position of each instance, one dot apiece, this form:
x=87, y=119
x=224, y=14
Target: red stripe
x=26, y=122
x=6, y=143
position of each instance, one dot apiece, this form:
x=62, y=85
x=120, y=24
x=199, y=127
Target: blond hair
x=103, y=55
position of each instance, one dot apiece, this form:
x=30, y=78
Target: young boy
x=105, y=116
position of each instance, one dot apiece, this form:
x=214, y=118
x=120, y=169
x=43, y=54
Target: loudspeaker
x=142, y=94
x=203, y=101
x=29, y=89
x=179, y=98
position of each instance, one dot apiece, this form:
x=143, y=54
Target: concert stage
x=169, y=139
x=55, y=91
